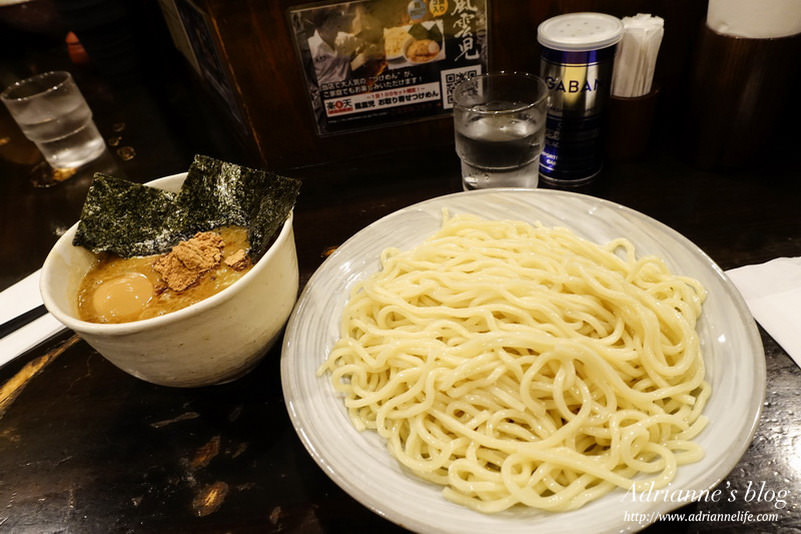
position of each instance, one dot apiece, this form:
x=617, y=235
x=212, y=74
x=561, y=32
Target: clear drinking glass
x=51, y=111
x=499, y=124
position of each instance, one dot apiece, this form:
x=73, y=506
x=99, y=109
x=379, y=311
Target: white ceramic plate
x=359, y=462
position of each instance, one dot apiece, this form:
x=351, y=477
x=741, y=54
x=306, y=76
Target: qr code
x=451, y=77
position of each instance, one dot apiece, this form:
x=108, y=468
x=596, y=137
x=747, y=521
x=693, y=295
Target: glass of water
x=499, y=124
x=51, y=111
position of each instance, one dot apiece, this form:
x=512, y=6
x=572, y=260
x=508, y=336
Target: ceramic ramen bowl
x=212, y=341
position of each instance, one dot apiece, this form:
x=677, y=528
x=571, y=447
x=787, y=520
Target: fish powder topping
x=189, y=260
x=238, y=260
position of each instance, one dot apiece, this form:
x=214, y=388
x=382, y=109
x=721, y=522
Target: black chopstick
x=21, y=320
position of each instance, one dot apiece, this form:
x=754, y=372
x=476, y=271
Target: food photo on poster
x=373, y=62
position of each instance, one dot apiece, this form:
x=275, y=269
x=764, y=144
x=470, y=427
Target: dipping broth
x=119, y=290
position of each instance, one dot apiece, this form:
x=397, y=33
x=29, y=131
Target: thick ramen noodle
x=517, y=364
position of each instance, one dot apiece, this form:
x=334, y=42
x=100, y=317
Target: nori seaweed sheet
x=126, y=218
x=418, y=31
x=131, y=219
x=434, y=34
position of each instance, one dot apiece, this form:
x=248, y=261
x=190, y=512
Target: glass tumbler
x=51, y=111
x=499, y=128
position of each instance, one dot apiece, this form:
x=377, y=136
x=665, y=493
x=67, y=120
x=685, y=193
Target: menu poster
x=369, y=63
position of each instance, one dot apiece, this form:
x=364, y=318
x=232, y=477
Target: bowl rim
x=132, y=327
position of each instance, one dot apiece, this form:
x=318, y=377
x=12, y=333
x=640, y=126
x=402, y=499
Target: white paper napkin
x=772, y=291
x=16, y=300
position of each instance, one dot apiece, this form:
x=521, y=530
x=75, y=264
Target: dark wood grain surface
x=87, y=448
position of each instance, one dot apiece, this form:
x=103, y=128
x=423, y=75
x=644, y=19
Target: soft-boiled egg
x=124, y=297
